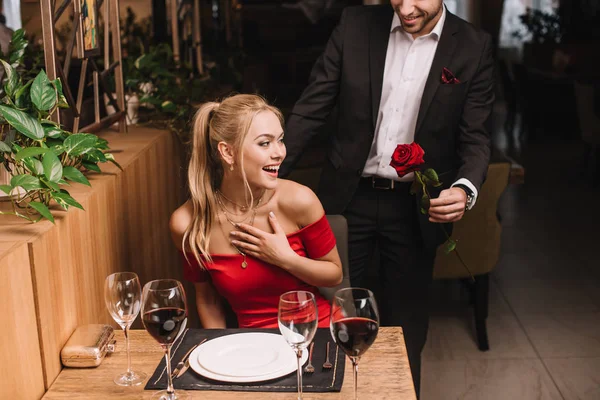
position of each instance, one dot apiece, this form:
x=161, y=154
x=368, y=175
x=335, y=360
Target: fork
x=327, y=364
x=309, y=369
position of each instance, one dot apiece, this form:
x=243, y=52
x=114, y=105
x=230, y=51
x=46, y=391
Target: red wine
x=355, y=335
x=164, y=323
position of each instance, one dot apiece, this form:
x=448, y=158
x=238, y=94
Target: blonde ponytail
x=228, y=121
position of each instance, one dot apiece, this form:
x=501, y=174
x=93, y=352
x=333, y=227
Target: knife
x=184, y=364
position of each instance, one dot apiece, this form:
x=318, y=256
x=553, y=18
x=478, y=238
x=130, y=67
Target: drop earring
x=231, y=167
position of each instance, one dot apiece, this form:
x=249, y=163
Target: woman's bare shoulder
x=299, y=202
x=179, y=222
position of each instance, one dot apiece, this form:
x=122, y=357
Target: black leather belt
x=377, y=183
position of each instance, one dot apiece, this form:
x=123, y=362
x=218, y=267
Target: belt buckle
x=389, y=186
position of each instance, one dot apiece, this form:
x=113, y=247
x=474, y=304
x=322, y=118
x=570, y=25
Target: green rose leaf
x=26, y=181
x=34, y=165
x=4, y=148
x=42, y=209
x=43, y=94
x=65, y=200
x=30, y=152
x=425, y=203
x=23, y=122
x=423, y=211
x=80, y=143
x=415, y=187
x=432, y=175
x=53, y=169
x=12, y=79
x=91, y=166
x=75, y=175
x=6, y=188
x=111, y=158
x=450, y=246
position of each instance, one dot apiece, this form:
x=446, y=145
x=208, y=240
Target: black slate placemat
x=319, y=381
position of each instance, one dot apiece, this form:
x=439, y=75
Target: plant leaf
x=95, y=156
x=6, y=188
x=80, y=143
x=53, y=132
x=91, y=166
x=42, y=209
x=65, y=200
x=111, y=158
x=30, y=152
x=12, y=79
x=450, y=246
x=22, y=98
x=27, y=182
x=58, y=149
x=168, y=106
x=52, y=185
x=75, y=175
x=43, y=94
x=53, y=169
x=22, y=122
x=34, y=165
x=4, y=148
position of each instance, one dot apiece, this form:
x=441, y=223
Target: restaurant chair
x=339, y=226
x=478, y=234
x=589, y=124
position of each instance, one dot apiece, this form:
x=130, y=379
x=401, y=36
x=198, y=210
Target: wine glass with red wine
x=164, y=315
x=354, y=324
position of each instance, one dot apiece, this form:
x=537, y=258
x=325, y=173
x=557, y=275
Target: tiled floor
x=544, y=321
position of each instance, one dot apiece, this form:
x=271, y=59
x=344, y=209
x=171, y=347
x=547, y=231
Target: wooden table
x=384, y=373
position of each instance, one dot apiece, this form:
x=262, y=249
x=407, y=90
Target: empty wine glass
x=298, y=319
x=122, y=295
x=354, y=324
x=164, y=315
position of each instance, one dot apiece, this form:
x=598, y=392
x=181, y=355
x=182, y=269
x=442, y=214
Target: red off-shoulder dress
x=253, y=293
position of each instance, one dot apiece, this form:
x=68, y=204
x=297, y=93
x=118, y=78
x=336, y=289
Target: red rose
x=407, y=158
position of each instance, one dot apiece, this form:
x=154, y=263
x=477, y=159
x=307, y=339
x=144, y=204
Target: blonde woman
x=248, y=236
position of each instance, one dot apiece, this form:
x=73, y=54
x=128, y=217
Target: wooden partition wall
x=52, y=276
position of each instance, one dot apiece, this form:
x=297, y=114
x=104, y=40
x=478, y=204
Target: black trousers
x=386, y=221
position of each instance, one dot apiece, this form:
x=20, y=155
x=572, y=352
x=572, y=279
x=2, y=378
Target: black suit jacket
x=452, y=125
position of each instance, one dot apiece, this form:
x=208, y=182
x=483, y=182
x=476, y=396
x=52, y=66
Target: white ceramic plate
x=245, y=357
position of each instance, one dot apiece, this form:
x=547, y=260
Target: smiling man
x=413, y=72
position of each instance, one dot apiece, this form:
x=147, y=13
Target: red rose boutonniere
x=408, y=158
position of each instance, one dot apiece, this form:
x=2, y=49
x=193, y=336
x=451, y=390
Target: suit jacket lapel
x=379, y=36
x=442, y=58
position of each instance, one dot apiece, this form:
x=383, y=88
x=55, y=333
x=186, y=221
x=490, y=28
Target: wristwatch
x=470, y=195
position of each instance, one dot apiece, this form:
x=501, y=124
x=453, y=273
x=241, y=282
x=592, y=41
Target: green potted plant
x=543, y=33
x=40, y=156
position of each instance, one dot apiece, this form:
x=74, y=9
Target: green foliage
x=541, y=27
x=38, y=153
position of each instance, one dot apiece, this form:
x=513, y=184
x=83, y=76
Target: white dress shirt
x=407, y=65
